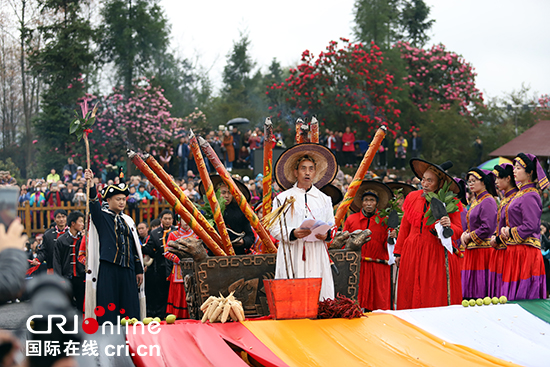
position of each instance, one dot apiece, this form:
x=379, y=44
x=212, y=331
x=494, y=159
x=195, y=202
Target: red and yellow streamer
x=359, y=176
x=237, y=195
x=211, y=194
x=176, y=204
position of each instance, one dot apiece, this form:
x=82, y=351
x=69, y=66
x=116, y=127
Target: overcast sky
x=506, y=41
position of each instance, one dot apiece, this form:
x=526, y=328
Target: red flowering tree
x=438, y=77
x=344, y=86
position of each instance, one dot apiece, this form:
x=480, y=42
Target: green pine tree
x=61, y=63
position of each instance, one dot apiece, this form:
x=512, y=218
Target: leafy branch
x=81, y=125
x=445, y=196
x=206, y=210
x=393, y=204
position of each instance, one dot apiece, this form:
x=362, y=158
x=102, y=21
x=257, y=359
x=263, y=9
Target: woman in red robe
x=177, y=304
x=429, y=275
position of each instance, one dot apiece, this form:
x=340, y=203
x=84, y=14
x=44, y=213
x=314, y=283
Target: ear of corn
x=220, y=309
x=225, y=312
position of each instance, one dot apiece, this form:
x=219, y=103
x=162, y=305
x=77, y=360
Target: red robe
x=374, y=280
x=422, y=280
x=177, y=303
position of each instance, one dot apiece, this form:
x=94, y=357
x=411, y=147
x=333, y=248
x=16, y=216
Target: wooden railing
x=37, y=219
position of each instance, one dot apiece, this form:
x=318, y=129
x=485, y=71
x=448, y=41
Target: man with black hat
x=374, y=281
x=115, y=262
x=157, y=286
x=302, y=170
x=238, y=227
x=45, y=250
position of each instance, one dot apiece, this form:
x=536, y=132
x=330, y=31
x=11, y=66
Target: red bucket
x=293, y=298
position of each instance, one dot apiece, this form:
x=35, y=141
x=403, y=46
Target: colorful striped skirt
x=517, y=273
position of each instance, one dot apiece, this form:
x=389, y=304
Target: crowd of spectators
x=235, y=148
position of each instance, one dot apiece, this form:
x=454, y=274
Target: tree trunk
x=26, y=108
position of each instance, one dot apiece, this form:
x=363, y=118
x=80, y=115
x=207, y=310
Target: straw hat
x=419, y=166
x=216, y=180
x=325, y=163
x=376, y=188
x=334, y=193
x=407, y=189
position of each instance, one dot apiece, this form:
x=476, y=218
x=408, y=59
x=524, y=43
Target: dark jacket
x=111, y=249
x=45, y=251
x=237, y=222
x=65, y=256
x=418, y=146
x=155, y=248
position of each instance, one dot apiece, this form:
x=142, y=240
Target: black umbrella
x=238, y=121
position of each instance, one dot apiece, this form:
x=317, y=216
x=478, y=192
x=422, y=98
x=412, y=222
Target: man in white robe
x=304, y=259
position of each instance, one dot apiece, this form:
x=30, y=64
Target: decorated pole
x=314, y=130
x=176, y=204
x=81, y=127
x=304, y=134
x=299, y=123
x=268, y=167
x=187, y=204
x=359, y=176
x=237, y=195
x=210, y=194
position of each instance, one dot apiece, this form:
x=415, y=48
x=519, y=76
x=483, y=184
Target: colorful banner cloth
x=505, y=331
x=538, y=307
x=379, y=340
x=494, y=335
x=191, y=343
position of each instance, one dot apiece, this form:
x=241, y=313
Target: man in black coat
x=239, y=229
x=45, y=251
x=66, y=257
x=156, y=285
x=416, y=145
x=120, y=272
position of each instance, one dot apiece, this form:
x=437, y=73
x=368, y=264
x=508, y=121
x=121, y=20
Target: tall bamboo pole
x=176, y=204
x=180, y=195
x=359, y=176
x=314, y=130
x=211, y=194
x=237, y=195
x=268, y=167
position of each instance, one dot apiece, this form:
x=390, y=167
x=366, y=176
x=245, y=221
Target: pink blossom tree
x=142, y=119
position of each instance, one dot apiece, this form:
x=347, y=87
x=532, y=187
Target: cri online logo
x=89, y=325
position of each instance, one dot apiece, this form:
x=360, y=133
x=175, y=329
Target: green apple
x=503, y=299
x=147, y=320
x=170, y=319
x=495, y=300
x=133, y=320
x=157, y=319
x=487, y=301
x=479, y=302
x=472, y=302
x=465, y=303
x=123, y=321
